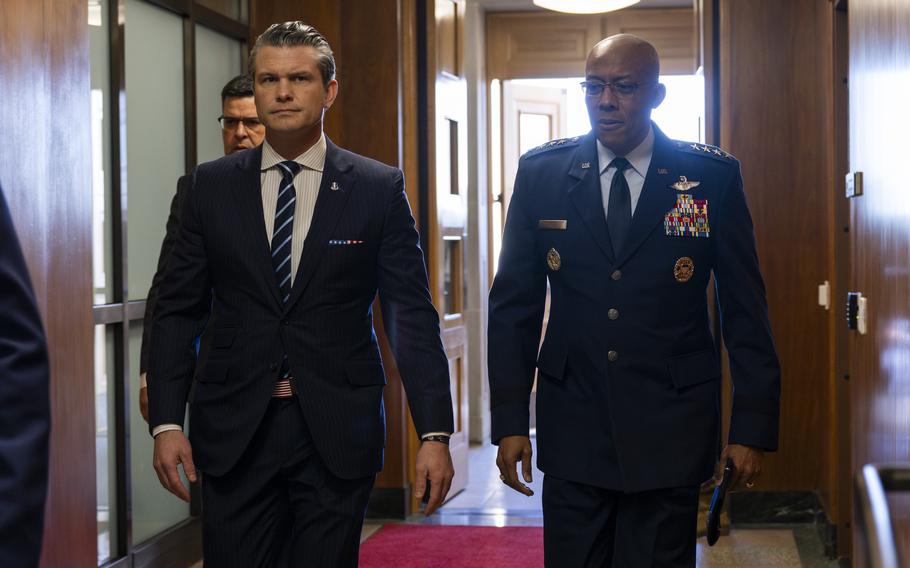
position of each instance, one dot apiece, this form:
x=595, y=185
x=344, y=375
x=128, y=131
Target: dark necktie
x=283, y=229
x=619, y=209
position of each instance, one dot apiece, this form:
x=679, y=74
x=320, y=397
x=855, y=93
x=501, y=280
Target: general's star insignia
x=684, y=184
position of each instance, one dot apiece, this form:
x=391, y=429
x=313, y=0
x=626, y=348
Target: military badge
x=683, y=269
x=684, y=184
x=689, y=218
x=553, y=260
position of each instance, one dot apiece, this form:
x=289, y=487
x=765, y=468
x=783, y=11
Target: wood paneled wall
x=374, y=115
x=776, y=118
x=539, y=44
x=880, y=230
x=45, y=174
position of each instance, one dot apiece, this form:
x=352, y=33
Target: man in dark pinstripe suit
x=281, y=251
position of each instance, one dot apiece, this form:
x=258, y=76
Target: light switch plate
x=853, y=184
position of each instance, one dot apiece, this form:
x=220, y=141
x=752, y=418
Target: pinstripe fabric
x=220, y=278
x=281, y=502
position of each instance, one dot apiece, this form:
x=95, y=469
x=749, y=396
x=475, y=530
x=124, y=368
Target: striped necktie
x=283, y=229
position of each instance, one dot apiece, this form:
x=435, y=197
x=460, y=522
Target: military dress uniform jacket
x=628, y=388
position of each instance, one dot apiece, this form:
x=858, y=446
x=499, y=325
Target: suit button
x=284, y=322
x=273, y=367
x=613, y=314
x=612, y=356
x=617, y=274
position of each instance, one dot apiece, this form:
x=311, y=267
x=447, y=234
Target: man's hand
x=434, y=462
x=511, y=450
x=144, y=402
x=746, y=461
x=172, y=448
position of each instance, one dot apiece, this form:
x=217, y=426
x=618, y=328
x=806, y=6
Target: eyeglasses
x=231, y=123
x=624, y=89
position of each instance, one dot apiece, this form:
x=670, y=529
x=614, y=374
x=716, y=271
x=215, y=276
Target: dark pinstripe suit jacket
x=24, y=407
x=220, y=278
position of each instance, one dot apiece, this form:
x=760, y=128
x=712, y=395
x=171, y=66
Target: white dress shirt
x=639, y=158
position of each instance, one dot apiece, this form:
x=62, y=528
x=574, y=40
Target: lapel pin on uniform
x=585, y=165
x=684, y=184
x=334, y=186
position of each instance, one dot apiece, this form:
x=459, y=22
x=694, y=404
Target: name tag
x=554, y=224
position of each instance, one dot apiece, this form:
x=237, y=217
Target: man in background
x=240, y=130
x=24, y=407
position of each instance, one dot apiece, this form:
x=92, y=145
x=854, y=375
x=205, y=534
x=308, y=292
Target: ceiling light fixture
x=584, y=6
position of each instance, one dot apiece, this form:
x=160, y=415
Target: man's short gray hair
x=297, y=34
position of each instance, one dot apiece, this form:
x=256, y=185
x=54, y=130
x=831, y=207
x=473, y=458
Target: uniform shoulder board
x=553, y=144
x=705, y=150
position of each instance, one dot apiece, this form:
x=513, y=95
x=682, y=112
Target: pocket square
x=688, y=219
x=344, y=242
x=557, y=224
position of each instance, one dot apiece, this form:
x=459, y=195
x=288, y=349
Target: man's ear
x=331, y=92
x=660, y=93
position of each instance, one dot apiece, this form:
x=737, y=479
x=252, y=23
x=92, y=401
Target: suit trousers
x=593, y=527
x=280, y=506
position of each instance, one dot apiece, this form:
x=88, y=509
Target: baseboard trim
x=389, y=503
x=772, y=507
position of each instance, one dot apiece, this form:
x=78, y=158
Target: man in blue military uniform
x=627, y=226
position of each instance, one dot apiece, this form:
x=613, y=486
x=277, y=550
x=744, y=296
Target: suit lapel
x=248, y=196
x=585, y=194
x=330, y=204
x=656, y=196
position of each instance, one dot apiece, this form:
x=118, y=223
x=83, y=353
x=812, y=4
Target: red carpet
x=434, y=546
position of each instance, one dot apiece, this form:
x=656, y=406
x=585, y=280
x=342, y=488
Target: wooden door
x=444, y=218
x=448, y=277
x=879, y=233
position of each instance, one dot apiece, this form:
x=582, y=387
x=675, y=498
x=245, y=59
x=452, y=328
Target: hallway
x=487, y=502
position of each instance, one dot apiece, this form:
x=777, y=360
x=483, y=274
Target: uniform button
x=613, y=314
x=284, y=322
x=612, y=356
x=617, y=274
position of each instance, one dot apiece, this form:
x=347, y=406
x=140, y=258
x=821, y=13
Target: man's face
x=290, y=95
x=241, y=128
x=620, y=120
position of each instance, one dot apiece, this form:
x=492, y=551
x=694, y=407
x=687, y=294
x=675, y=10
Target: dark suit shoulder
x=224, y=163
x=364, y=164
x=550, y=148
x=704, y=151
